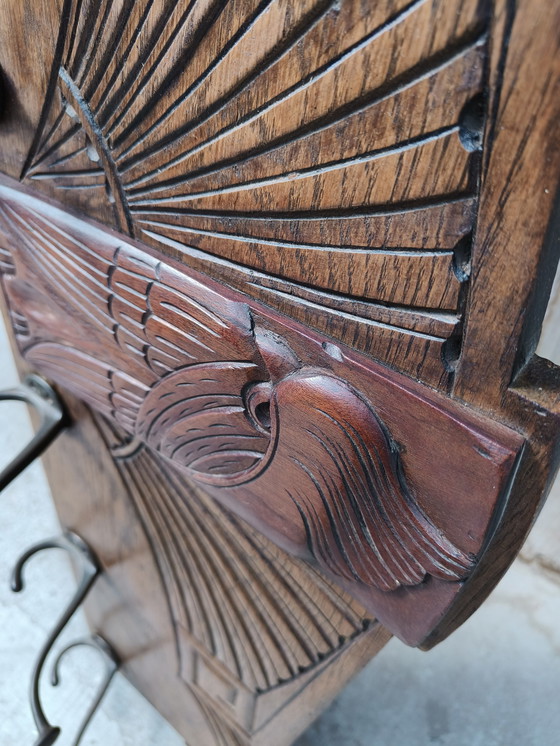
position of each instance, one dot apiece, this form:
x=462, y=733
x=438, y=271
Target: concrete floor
x=496, y=682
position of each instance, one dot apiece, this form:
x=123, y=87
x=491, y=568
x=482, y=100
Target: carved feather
x=361, y=519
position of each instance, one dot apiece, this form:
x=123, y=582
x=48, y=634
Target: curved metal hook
x=111, y=666
x=36, y=392
x=90, y=568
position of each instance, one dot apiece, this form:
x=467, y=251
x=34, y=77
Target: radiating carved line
x=438, y=324
x=73, y=23
x=219, y=618
x=179, y=513
x=93, y=85
x=295, y=174
x=361, y=211
x=174, y=70
x=63, y=139
x=316, y=151
x=102, y=60
x=51, y=86
x=318, y=298
x=134, y=82
x=447, y=215
x=323, y=622
x=57, y=122
x=320, y=306
x=94, y=33
x=301, y=85
x=76, y=257
x=258, y=631
x=235, y=39
x=287, y=43
x=89, y=14
x=52, y=174
x=62, y=185
x=345, y=249
x=205, y=614
x=418, y=72
x=73, y=94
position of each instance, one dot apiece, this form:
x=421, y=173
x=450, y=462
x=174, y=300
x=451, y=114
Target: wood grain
x=516, y=253
x=220, y=132
x=513, y=252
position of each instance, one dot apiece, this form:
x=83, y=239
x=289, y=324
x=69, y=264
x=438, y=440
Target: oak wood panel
x=515, y=256
x=307, y=154
x=514, y=259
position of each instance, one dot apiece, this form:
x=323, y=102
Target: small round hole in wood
x=471, y=124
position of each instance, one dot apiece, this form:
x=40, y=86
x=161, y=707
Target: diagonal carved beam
x=334, y=457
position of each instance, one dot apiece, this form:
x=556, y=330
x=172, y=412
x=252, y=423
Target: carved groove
x=229, y=124
x=264, y=634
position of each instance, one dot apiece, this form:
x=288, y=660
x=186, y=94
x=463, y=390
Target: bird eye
x=262, y=414
x=257, y=402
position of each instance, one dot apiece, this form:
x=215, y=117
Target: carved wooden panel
x=338, y=227
x=309, y=442
x=252, y=626
x=233, y=640
x=223, y=132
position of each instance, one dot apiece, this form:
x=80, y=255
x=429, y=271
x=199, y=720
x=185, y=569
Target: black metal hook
x=36, y=392
x=111, y=666
x=90, y=569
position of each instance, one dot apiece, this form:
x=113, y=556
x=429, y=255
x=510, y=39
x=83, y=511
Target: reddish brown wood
x=309, y=442
x=234, y=641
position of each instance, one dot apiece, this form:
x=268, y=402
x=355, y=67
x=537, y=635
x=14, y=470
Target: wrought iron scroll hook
x=90, y=568
x=36, y=392
x=111, y=666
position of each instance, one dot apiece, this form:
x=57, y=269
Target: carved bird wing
x=336, y=463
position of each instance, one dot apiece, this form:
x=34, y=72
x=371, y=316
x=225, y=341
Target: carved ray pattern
x=252, y=625
x=213, y=567
x=206, y=383
x=221, y=131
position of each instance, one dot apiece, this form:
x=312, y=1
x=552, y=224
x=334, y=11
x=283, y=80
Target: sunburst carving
x=223, y=131
x=213, y=567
